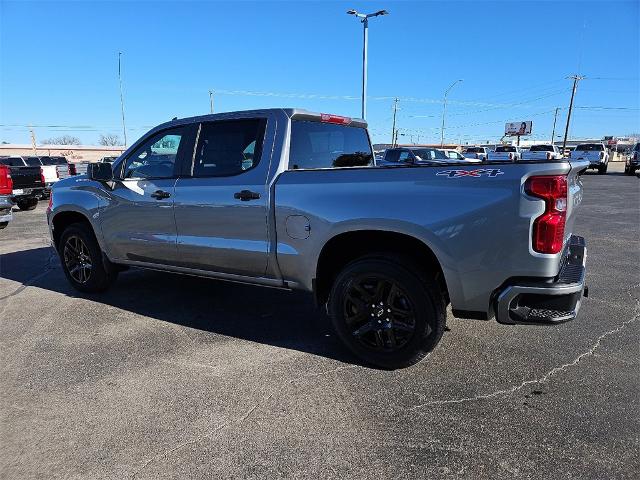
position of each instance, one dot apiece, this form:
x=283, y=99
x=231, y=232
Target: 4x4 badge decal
x=489, y=172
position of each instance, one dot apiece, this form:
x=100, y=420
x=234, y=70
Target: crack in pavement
x=546, y=377
x=241, y=419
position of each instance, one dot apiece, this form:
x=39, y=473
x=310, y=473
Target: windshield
x=48, y=161
x=474, y=150
x=590, y=147
x=33, y=161
x=541, y=148
x=506, y=148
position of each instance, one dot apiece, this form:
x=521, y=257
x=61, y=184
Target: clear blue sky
x=58, y=64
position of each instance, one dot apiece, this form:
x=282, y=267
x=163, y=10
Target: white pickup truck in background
x=596, y=153
x=542, y=152
x=477, y=153
x=48, y=173
x=505, y=153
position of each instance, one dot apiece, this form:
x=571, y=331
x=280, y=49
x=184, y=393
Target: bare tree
x=110, y=140
x=63, y=140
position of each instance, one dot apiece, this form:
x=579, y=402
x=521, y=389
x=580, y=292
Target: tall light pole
x=444, y=109
x=211, y=100
x=576, y=79
x=124, y=129
x=364, y=18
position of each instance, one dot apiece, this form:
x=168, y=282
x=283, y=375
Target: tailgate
x=26, y=177
x=574, y=192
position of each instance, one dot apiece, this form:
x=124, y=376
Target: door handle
x=246, y=195
x=160, y=194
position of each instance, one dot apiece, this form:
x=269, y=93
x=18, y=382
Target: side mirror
x=101, y=172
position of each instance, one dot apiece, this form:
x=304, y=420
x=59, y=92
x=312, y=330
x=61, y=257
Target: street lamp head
x=352, y=12
x=381, y=12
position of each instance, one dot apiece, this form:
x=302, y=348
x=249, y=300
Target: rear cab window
x=12, y=162
x=326, y=145
x=32, y=162
x=506, y=148
x=590, y=147
x=541, y=148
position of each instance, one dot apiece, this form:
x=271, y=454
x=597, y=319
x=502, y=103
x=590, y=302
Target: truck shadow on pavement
x=263, y=315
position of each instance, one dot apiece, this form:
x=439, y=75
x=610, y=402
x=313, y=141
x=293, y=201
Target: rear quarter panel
x=479, y=227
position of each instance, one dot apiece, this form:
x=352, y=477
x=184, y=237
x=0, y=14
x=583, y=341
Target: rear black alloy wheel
x=378, y=313
x=389, y=313
x=77, y=259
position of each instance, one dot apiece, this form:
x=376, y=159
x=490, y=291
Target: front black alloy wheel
x=77, y=259
x=387, y=312
x=83, y=263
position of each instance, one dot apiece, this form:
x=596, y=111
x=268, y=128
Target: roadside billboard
x=518, y=128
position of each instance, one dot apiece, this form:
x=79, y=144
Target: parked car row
x=26, y=180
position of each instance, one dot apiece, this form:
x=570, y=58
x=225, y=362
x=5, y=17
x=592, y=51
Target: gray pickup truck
x=290, y=199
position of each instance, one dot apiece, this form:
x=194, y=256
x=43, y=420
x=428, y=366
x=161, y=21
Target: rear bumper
x=547, y=302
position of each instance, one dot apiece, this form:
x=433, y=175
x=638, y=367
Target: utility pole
x=576, y=79
x=393, y=128
x=553, y=133
x=211, y=100
x=124, y=128
x=33, y=140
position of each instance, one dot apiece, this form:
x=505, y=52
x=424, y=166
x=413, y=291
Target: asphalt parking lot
x=177, y=377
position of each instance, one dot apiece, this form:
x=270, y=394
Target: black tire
x=28, y=204
x=3, y=225
x=83, y=263
x=602, y=169
x=402, y=339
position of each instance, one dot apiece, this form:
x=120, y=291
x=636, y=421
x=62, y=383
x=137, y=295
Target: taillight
x=72, y=169
x=6, y=184
x=511, y=156
x=42, y=175
x=57, y=173
x=330, y=118
x=548, y=228
x=548, y=155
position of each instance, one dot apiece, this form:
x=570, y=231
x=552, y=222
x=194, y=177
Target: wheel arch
x=61, y=220
x=348, y=246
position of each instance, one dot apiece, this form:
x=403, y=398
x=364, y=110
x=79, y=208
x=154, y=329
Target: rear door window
x=325, y=145
x=228, y=148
